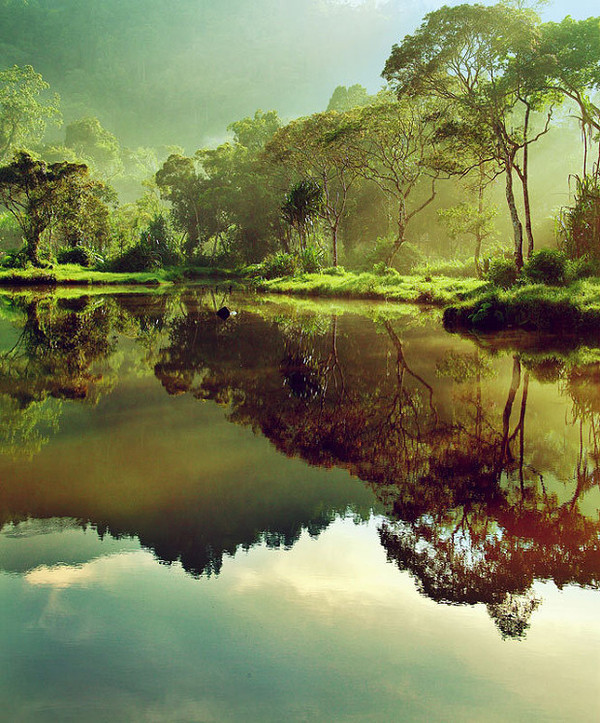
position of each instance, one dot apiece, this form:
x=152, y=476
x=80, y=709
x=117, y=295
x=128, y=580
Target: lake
x=326, y=511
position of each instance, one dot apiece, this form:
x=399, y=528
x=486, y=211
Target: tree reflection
x=479, y=504
x=58, y=343
x=469, y=514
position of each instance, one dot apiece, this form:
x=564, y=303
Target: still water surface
x=309, y=511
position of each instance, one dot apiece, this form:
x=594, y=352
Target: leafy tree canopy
x=23, y=111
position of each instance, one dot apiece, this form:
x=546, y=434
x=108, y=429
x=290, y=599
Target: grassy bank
x=438, y=291
x=74, y=275
x=390, y=287
x=572, y=309
x=471, y=304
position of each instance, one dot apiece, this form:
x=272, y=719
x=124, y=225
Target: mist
x=161, y=72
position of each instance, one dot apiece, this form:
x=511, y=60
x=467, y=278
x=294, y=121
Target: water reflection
x=484, y=460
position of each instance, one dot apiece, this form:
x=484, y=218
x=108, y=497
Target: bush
x=310, y=259
x=15, y=260
x=78, y=255
x=451, y=269
x=405, y=259
x=140, y=257
x=582, y=268
x=503, y=273
x=159, y=239
x=166, y=255
x=334, y=271
x=279, y=264
x=546, y=266
x=579, y=225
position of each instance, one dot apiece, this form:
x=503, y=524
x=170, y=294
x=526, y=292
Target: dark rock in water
x=223, y=313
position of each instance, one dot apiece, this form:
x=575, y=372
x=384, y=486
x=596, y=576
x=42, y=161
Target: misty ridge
x=158, y=72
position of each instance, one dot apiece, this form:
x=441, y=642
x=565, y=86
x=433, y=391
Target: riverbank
x=469, y=304
x=572, y=309
x=437, y=291
x=74, y=275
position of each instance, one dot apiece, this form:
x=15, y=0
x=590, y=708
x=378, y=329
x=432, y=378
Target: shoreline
x=469, y=304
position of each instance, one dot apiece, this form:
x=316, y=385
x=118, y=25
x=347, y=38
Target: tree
x=97, y=146
x=240, y=196
x=180, y=183
x=301, y=206
x=343, y=98
x=393, y=144
x=84, y=217
x=315, y=148
x=23, y=115
x=39, y=195
x=567, y=60
x=466, y=56
x=468, y=219
x=254, y=133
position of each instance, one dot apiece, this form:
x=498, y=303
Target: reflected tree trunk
x=505, y=453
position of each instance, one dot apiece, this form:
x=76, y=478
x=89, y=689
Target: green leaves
x=23, y=114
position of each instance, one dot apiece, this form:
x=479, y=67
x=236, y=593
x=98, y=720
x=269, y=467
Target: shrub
x=579, y=225
x=310, y=259
x=334, y=271
x=16, y=259
x=140, y=257
x=154, y=246
x=279, y=264
x=405, y=259
x=78, y=255
x=582, y=268
x=546, y=266
x=452, y=269
x=503, y=273
x=158, y=237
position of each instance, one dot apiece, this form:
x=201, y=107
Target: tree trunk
x=527, y=206
x=524, y=176
x=400, y=233
x=478, y=234
x=334, y=234
x=478, y=241
x=514, y=215
x=32, y=246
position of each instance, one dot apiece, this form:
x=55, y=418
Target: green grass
x=470, y=303
x=573, y=309
x=439, y=291
x=74, y=275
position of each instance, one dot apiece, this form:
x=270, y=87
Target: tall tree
x=343, y=98
x=394, y=145
x=315, y=148
x=23, y=111
x=180, y=183
x=465, y=54
x=567, y=60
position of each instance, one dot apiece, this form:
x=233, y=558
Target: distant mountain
x=164, y=72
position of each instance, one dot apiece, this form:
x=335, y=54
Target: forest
x=478, y=158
